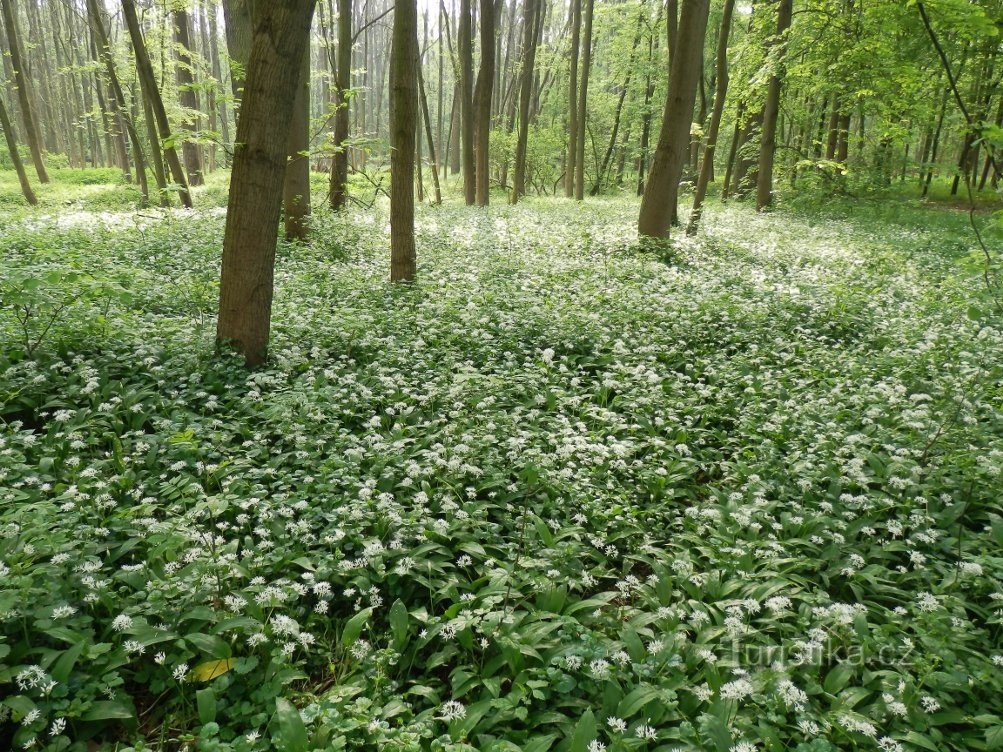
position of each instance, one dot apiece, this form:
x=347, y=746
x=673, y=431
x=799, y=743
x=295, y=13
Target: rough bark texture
x=465, y=35
x=771, y=111
x=188, y=98
x=148, y=83
x=662, y=190
x=583, y=97
x=339, y=165
x=482, y=104
x=237, y=19
x=403, y=122
x=15, y=158
x=720, y=93
x=576, y=33
x=281, y=35
x=32, y=134
x=296, y=186
x=525, y=96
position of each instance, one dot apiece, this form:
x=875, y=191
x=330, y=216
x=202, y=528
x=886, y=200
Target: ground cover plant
x=565, y=492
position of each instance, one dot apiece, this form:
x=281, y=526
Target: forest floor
x=565, y=492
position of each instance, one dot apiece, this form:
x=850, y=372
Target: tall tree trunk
x=576, y=33
x=239, y=29
x=187, y=97
x=217, y=73
x=936, y=141
x=720, y=93
x=529, y=12
x=296, y=184
x=403, y=122
x=771, y=111
x=15, y=157
x=339, y=164
x=281, y=36
x=148, y=83
x=661, y=193
x=429, y=137
x=32, y=133
x=649, y=92
x=465, y=34
x=583, y=96
x=482, y=104
x=118, y=96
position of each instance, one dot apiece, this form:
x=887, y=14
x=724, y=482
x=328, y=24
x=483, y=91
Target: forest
x=502, y=375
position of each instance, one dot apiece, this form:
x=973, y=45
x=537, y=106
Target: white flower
x=180, y=672
x=596, y=746
x=452, y=710
x=616, y=724
x=121, y=623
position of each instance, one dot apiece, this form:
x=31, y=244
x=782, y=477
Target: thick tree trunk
x=339, y=164
x=661, y=193
x=188, y=98
x=465, y=34
x=239, y=29
x=403, y=122
x=15, y=157
x=720, y=93
x=281, y=35
x=429, y=137
x=576, y=33
x=296, y=185
x=583, y=97
x=525, y=96
x=32, y=133
x=771, y=111
x=148, y=83
x=482, y=105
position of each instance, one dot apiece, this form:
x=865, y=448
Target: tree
x=185, y=78
x=662, y=189
x=118, y=95
x=403, y=127
x=482, y=104
x=465, y=42
x=15, y=157
x=771, y=111
x=239, y=29
x=280, y=37
x=148, y=84
x=576, y=33
x=32, y=134
x=583, y=97
x=529, y=10
x=296, y=188
x=720, y=93
x=343, y=82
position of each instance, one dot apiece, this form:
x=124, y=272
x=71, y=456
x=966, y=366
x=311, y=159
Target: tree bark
x=296, y=185
x=15, y=157
x=32, y=133
x=148, y=83
x=281, y=35
x=465, y=35
x=661, y=193
x=583, y=97
x=576, y=33
x=720, y=93
x=482, y=105
x=771, y=111
x=403, y=122
x=239, y=28
x=343, y=82
x=529, y=11
x=187, y=97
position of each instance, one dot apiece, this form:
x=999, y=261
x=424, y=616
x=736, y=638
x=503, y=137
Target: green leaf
x=838, y=678
x=212, y=645
x=636, y=700
x=205, y=699
x=994, y=738
x=585, y=733
x=291, y=729
x=353, y=627
x=398, y=623
x=109, y=710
